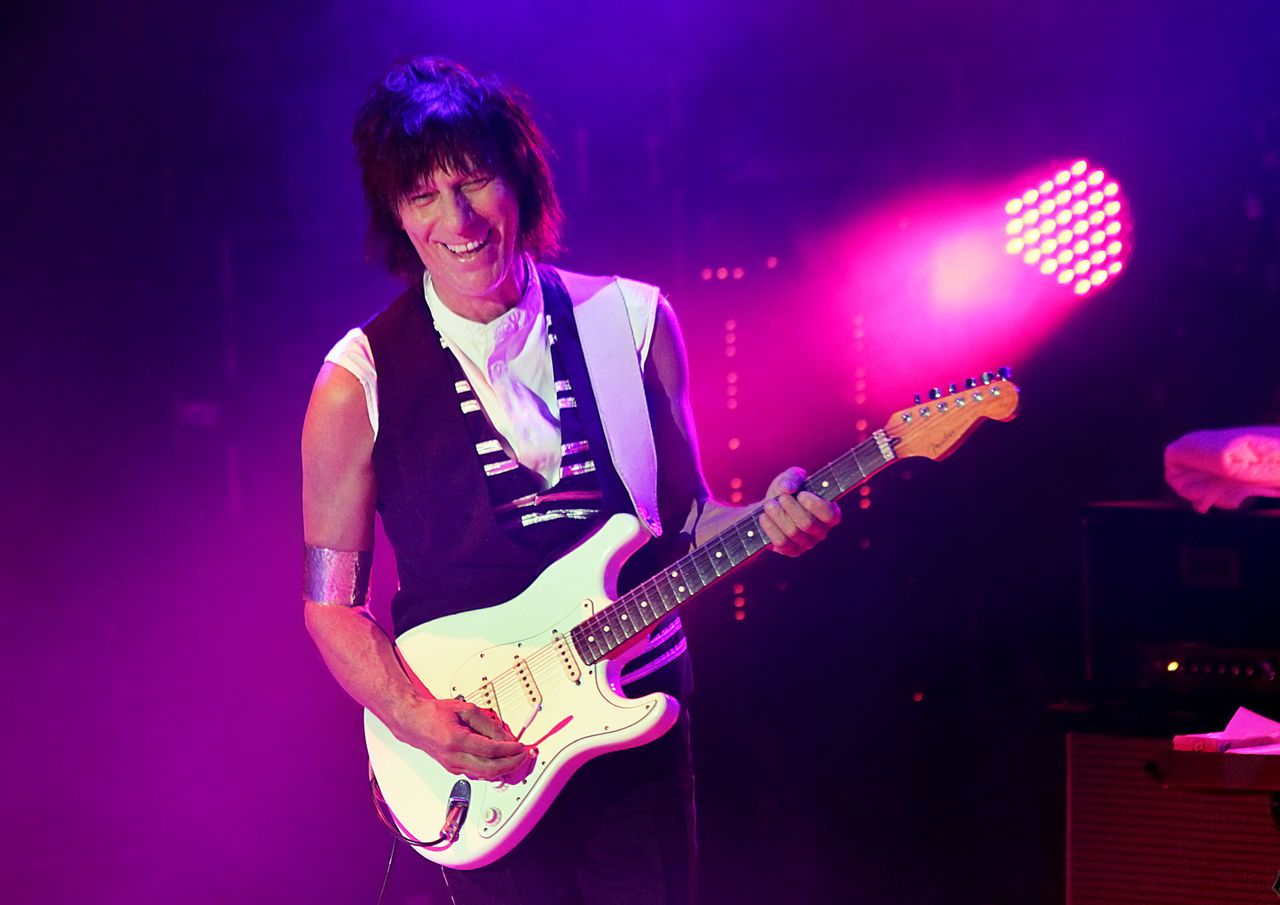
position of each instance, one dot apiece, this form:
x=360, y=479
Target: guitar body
x=517, y=659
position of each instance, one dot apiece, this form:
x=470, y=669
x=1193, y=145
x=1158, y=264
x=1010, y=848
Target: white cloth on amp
x=1223, y=468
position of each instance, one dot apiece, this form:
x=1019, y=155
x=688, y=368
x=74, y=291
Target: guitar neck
x=599, y=635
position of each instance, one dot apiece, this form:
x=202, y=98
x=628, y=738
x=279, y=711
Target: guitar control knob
x=970, y=383
x=935, y=393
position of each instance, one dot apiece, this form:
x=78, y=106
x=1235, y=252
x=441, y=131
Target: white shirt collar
x=479, y=341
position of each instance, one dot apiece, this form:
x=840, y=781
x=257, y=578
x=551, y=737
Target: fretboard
x=634, y=612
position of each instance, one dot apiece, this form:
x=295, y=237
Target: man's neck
x=486, y=309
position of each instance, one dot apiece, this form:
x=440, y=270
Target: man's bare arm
x=338, y=493
x=793, y=520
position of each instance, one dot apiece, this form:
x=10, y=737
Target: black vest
x=452, y=554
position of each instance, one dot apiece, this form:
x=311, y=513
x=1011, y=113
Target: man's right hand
x=463, y=738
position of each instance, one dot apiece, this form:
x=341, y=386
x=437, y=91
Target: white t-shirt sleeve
x=352, y=353
x=642, y=309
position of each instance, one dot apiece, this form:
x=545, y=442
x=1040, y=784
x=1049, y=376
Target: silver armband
x=336, y=577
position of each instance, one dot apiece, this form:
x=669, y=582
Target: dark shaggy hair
x=431, y=114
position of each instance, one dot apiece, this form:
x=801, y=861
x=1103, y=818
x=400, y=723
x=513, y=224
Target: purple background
x=183, y=244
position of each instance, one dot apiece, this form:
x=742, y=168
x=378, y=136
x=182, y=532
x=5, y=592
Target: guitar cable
x=459, y=804
x=386, y=878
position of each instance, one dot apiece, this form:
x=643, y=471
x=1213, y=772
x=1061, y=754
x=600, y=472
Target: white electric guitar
x=548, y=662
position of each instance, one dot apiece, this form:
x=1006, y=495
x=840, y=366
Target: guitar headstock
x=934, y=427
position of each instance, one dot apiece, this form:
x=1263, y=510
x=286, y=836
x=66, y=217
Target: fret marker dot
x=591, y=637
x=624, y=616
x=719, y=554
x=644, y=603
x=826, y=483
x=606, y=628
x=751, y=534
x=681, y=588
x=675, y=574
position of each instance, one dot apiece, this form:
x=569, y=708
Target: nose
x=458, y=211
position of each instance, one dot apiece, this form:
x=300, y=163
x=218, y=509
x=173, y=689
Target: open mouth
x=469, y=249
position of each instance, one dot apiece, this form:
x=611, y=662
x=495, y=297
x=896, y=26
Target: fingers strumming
x=482, y=746
x=486, y=723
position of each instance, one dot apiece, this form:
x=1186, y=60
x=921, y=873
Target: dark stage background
x=183, y=244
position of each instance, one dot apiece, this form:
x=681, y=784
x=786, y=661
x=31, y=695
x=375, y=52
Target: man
x=464, y=414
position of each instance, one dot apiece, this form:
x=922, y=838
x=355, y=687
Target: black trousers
x=621, y=832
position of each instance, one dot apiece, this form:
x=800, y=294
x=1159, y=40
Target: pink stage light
x=1073, y=226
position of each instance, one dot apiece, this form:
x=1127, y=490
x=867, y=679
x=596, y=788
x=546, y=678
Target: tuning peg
x=987, y=377
x=970, y=383
x=917, y=399
x=935, y=393
x=951, y=390
x=1004, y=373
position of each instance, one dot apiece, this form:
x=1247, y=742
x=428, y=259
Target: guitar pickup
x=567, y=659
x=525, y=675
x=487, y=699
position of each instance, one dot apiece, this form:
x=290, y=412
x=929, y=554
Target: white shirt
x=508, y=364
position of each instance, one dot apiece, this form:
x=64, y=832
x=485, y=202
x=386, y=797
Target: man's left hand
x=796, y=521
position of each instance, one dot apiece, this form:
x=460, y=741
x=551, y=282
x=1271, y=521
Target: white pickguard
x=577, y=720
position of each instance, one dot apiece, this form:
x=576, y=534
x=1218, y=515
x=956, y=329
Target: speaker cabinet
x=1132, y=841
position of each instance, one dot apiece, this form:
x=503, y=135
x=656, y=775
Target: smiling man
x=464, y=415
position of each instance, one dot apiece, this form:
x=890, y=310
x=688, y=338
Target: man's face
x=466, y=229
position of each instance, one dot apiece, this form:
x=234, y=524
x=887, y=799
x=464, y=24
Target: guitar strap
x=604, y=330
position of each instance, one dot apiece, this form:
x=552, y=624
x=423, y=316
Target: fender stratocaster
x=549, y=660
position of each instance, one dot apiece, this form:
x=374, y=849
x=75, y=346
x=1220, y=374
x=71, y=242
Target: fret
x=631, y=621
x=676, y=587
x=823, y=483
x=588, y=650
x=617, y=624
x=703, y=565
x=687, y=579
x=749, y=533
x=733, y=547
x=665, y=594
x=718, y=556
x=644, y=603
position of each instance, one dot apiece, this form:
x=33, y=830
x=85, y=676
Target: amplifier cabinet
x=1131, y=841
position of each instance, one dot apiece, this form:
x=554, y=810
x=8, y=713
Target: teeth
x=468, y=248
